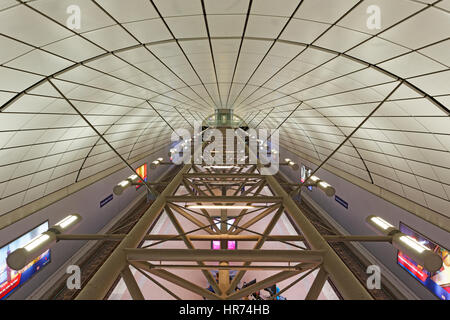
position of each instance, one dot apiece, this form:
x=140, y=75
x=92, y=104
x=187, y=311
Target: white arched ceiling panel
x=136, y=69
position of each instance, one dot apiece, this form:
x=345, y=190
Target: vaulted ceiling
x=137, y=69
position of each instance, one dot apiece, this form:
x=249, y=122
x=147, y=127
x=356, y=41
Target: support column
x=104, y=278
x=132, y=286
x=224, y=275
x=346, y=282
x=317, y=285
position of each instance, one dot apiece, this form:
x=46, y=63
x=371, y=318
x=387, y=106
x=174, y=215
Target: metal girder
x=257, y=246
x=250, y=171
x=224, y=199
x=158, y=284
x=127, y=252
x=132, y=286
x=168, y=276
x=104, y=278
x=189, y=245
x=213, y=236
x=278, y=277
x=224, y=274
x=236, y=176
x=346, y=282
x=207, y=186
x=191, y=218
x=261, y=183
x=247, y=255
x=224, y=267
x=255, y=219
x=293, y=283
x=243, y=212
x=317, y=285
x=188, y=185
x=205, y=213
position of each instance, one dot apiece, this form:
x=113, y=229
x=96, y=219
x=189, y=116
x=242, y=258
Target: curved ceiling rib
x=369, y=65
x=310, y=141
x=261, y=58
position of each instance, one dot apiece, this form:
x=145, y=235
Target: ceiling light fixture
x=20, y=257
x=420, y=253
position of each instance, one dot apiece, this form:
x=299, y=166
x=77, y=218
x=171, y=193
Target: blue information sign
x=106, y=200
x=341, y=201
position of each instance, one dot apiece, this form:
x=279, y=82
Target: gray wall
x=362, y=203
x=85, y=202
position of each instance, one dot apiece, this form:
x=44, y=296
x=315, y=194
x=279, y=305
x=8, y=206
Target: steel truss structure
x=197, y=186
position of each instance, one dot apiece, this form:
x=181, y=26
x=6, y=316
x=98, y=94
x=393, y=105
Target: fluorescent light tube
x=381, y=223
x=412, y=243
x=36, y=242
x=67, y=221
x=124, y=183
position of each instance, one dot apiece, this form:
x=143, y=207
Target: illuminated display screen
x=439, y=282
x=305, y=173
x=11, y=279
x=231, y=244
x=216, y=244
x=142, y=172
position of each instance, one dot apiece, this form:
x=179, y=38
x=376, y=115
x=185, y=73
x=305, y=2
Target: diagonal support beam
x=205, y=212
x=255, y=219
x=293, y=283
x=189, y=244
x=195, y=168
x=190, y=187
x=131, y=284
x=243, y=212
x=191, y=218
x=317, y=285
x=158, y=284
x=261, y=184
x=173, y=278
x=278, y=277
x=346, y=282
x=251, y=170
x=104, y=278
x=149, y=188
x=294, y=192
x=257, y=246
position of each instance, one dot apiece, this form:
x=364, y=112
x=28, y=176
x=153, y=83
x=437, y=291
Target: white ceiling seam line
x=30, y=208
x=304, y=49
x=436, y=218
x=269, y=49
x=134, y=63
x=98, y=133
x=377, y=68
x=100, y=139
x=176, y=40
x=309, y=138
x=240, y=49
x=82, y=35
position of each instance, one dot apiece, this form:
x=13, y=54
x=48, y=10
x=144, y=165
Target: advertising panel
x=11, y=279
x=439, y=282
